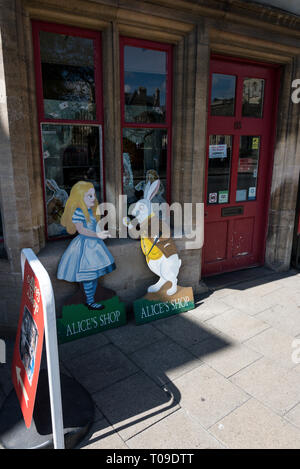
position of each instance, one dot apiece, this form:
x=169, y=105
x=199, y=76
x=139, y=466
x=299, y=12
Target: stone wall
x=286, y=172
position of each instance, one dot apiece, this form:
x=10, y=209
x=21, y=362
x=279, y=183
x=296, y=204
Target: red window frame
x=168, y=48
x=38, y=26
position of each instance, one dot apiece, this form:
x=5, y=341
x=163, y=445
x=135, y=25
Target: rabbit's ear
x=54, y=184
x=146, y=190
x=153, y=190
x=51, y=184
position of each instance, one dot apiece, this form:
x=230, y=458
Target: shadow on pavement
x=129, y=372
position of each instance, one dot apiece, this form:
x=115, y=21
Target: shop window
x=146, y=72
x=69, y=98
x=223, y=93
x=219, y=166
x=2, y=248
x=1, y=229
x=253, y=97
x=248, y=168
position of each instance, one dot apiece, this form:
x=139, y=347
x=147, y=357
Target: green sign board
x=78, y=321
x=146, y=309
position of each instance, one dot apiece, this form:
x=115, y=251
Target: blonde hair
x=75, y=201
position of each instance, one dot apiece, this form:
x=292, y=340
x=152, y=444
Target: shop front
x=196, y=95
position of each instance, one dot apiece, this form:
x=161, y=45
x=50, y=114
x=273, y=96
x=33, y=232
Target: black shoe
x=95, y=306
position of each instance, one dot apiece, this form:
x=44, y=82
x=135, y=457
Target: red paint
x=38, y=26
x=25, y=382
x=124, y=41
x=235, y=242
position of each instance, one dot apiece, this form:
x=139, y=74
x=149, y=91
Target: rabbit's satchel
x=151, y=251
x=154, y=249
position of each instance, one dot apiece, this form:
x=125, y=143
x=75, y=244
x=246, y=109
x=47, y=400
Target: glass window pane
x=145, y=74
x=1, y=228
x=144, y=159
x=253, y=97
x=68, y=76
x=219, y=164
x=71, y=153
x=223, y=95
x=248, y=168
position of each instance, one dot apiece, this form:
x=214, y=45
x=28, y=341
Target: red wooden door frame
x=266, y=128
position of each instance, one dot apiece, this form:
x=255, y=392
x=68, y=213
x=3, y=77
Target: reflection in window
x=223, y=95
x=248, y=168
x=144, y=159
x=145, y=72
x=68, y=76
x=219, y=164
x=71, y=153
x=253, y=97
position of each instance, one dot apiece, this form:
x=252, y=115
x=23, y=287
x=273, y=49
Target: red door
x=241, y=121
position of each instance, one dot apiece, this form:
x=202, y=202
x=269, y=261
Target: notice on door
x=252, y=193
x=213, y=198
x=223, y=197
x=218, y=151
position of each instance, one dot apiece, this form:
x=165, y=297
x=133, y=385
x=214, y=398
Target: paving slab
x=274, y=386
x=164, y=361
x=5, y=368
x=254, y=426
x=207, y=396
x=101, y=367
x=292, y=281
x=293, y=416
x=177, y=430
x=285, y=296
x=184, y=329
x=250, y=303
x=275, y=345
x=208, y=308
x=103, y=436
x=135, y=404
x=224, y=356
x=79, y=347
x=237, y=325
x=133, y=337
x=285, y=318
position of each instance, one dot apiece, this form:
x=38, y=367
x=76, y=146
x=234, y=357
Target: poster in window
x=218, y=151
x=213, y=198
x=223, y=197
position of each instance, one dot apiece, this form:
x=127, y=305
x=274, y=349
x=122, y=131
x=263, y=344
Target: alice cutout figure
x=86, y=258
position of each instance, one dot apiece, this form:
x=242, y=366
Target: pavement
x=224, y=375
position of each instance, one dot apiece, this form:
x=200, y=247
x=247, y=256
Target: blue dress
x=86, y=258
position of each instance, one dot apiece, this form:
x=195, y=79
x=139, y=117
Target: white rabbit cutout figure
x=161, y=253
